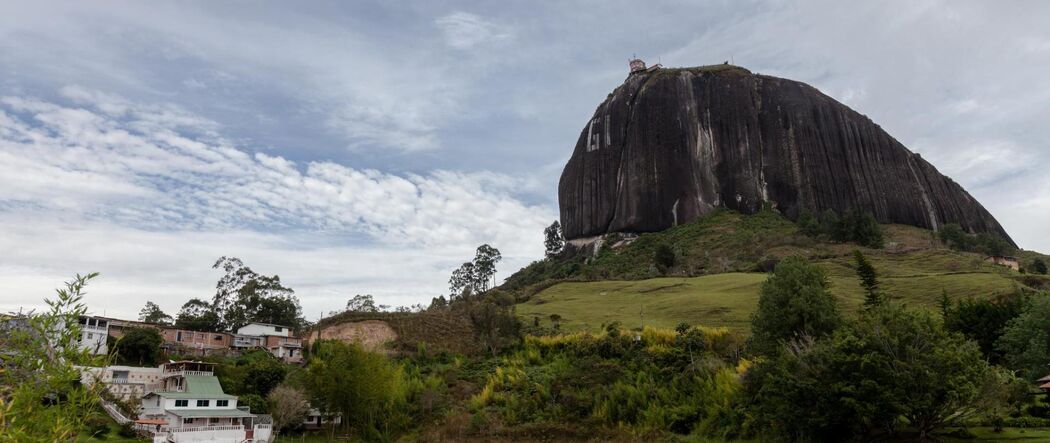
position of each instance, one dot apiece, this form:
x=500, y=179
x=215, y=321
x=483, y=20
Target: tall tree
x=243, y=296
x=794, y=303
x=485, y=260
x=463, y=281
x=1025, y=341
x=151, y=313
x=139, y=346
x=362, y=303
x=364, y=387
x=553, y=241
x=869, y=280
x=198, y=315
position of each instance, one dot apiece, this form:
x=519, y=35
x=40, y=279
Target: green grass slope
x=721, y=262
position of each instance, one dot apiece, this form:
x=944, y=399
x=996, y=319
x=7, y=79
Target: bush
x=890, y=363
x=854, y=226
x=127, y=430
x=98, y=425
x=664, y=257
x=794, y=302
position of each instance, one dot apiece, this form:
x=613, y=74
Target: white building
x=93, y=334
x=274, y=338
x=192, y=403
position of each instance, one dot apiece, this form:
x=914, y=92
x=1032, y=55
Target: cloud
x=159, y=178
x=463, y=30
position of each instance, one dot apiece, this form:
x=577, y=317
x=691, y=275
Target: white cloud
x=158, y=182
x=463, y=30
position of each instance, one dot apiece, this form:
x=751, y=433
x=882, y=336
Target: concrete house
x=194, y=407
x=93, y=334
x=1004, y=260
x=276, y=339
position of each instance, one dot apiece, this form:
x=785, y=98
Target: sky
x=369, y=147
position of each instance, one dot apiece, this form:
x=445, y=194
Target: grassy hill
x=721, y=262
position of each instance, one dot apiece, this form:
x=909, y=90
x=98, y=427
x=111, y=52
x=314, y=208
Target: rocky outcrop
x=671, y=145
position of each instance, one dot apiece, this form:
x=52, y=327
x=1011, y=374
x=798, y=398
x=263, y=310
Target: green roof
x=199, y=386
x=196, y=413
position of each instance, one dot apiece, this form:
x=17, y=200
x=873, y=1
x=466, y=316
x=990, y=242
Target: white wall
x=169, y=404
x=259, y=329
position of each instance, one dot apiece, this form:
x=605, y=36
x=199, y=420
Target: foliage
x=808, y=224
x=151, y=313
x=362, y=303
x=853, y=226
x=255, y=403
x=988, y=244
x=655, y=380
x=1025, y=341
x=243, y=296
x=495, y=325
x=869, y=280
x=889, y=363
x=1039, y=266
x=288, y=406
x=41, y=397
x=473, y=277
x=794, y=302
x=198, y=315
x=553, y=242
x=367, y=389
x=139, y=347
x=263, y=375
x=984, y=320
x=663, y=257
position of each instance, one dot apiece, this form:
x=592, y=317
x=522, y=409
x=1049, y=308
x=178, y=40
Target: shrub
x=127, y=430
x=98, y=425
x=664, y=257
x=794, y=302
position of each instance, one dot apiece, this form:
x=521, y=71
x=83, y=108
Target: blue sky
x=368, y=147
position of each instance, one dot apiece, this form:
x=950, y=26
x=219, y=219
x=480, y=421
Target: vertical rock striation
x=671, y=145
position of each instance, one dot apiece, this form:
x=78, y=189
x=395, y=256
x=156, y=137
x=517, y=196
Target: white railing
x=185, y=373
x=209, y=428
x=112, y=410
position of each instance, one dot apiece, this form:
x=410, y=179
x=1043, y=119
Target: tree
x=887, y=364
x=151, y=313
x=198, y=315
x=954, y=237
x=243, y=296
x=984, y=320
x=288, y=407
x=794, y=302
x=664, y=257
x=495, y=326
x=808, y=224
x=263, y=375
x=831, y=224
x=869, y=280
x=1039, y=266
x=463, y=281
x=364, y=387
x=553, y=241
x=139, y=346
x=1025, y=342
x=485, y=259
x=361, y=303
x=41, y=394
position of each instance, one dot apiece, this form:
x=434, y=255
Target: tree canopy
x=198, y=315
x=243, y=296
x=151, y=313
x=794, y=302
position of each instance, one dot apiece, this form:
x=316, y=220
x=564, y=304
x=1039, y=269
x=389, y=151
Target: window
x=181, y=403
x=222, y=403
x=278, y=329
x=213, y=421
x=101, y=323
x=202, y=403
x=218, y=337
x=187, y=421
x=178, y=336
x=90, y=336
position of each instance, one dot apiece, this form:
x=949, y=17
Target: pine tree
x=869, y=279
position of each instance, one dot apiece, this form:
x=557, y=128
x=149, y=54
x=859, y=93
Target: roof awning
x=1044, y=379
x=220, y=413
x=152, y=421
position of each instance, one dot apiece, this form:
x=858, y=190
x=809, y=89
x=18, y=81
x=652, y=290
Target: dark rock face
x=671, y=145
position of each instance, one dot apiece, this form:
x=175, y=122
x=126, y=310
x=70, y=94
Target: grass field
x=729, y=299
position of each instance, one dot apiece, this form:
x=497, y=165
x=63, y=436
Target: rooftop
x=199, y=386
